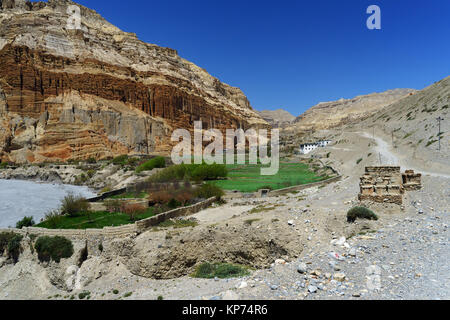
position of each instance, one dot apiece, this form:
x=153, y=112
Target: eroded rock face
x=97, y=91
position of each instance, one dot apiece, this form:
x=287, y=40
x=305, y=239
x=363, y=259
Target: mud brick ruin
x=387, y=184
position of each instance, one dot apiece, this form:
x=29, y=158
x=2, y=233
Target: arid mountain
x=411, y=125
x=328, y=115
x=95, y=91
x=277, y=118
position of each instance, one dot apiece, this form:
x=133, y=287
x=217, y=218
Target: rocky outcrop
x=277, y=118
x=96, y=91
x=333, y=114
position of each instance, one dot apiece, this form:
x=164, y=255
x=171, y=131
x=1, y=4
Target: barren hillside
x=332, y=114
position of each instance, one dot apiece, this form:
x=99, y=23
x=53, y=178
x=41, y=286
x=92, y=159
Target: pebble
x=312, y=289
x=301, y=268
x=339, y=277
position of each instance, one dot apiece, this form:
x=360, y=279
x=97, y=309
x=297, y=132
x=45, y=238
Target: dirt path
x=388, y=157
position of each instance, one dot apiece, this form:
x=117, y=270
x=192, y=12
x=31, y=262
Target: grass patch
x=94, y=220
x=220, y=270
x=248, y=178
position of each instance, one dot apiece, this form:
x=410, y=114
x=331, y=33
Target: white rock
x=341, y=241
x=280, y=261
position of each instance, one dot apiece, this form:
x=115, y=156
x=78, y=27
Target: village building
x=308, y=147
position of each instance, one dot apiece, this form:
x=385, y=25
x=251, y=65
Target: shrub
x=173, y=204
x=120, y=160
x=220, y=270
x=3, y=165
x=359, y=160
x=133, y=210
x=25, y=222
x=205, y=172
x=158, y=162
x=360, y=213
x=53, y=248
x=83, y=295
x=5, y=240
x=206, y=191
x=53, y=219
x=14, y=247
x=73, y=205
x=160, y=197
x=195, y=172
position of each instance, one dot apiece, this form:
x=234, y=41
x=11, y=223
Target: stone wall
x=94, y=237
x=387, y=184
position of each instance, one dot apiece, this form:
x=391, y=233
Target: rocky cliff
x=332, y=114
x=95, y=91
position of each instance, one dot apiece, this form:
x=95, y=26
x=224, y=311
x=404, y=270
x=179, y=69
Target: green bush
x=120, y=160
x=14, y=247
x=195, y=172
x=5, y=237
x=10, y=242
x=220, y=270
x=158, y=162
x=360, y=213
x=205, y=172
x=25, y=222
x=206, y=191
x=83, y=295
x=73, y=205
x=173, y=204
x=53, y=248
x=3, y=165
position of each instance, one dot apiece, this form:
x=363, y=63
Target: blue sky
x=294, y=54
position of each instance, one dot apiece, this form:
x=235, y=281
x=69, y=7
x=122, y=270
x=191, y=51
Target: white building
x=308, y=147
x=323, y=143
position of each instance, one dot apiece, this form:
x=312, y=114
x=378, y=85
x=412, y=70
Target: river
x=24, y=198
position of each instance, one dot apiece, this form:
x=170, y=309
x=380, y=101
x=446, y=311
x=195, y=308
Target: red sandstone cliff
x=98, y=91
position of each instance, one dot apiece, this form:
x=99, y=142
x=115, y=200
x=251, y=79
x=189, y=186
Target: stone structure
x=411, y=181
x=387, y=184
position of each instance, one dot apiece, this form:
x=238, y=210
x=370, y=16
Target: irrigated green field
x=94, y=220
x=248, y=178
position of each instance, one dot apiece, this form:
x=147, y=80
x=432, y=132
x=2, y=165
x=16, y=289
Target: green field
x=248, y=178
x=96, y=220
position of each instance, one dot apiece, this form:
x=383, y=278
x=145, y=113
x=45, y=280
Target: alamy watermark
x=374, y=21
x=220, y=149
